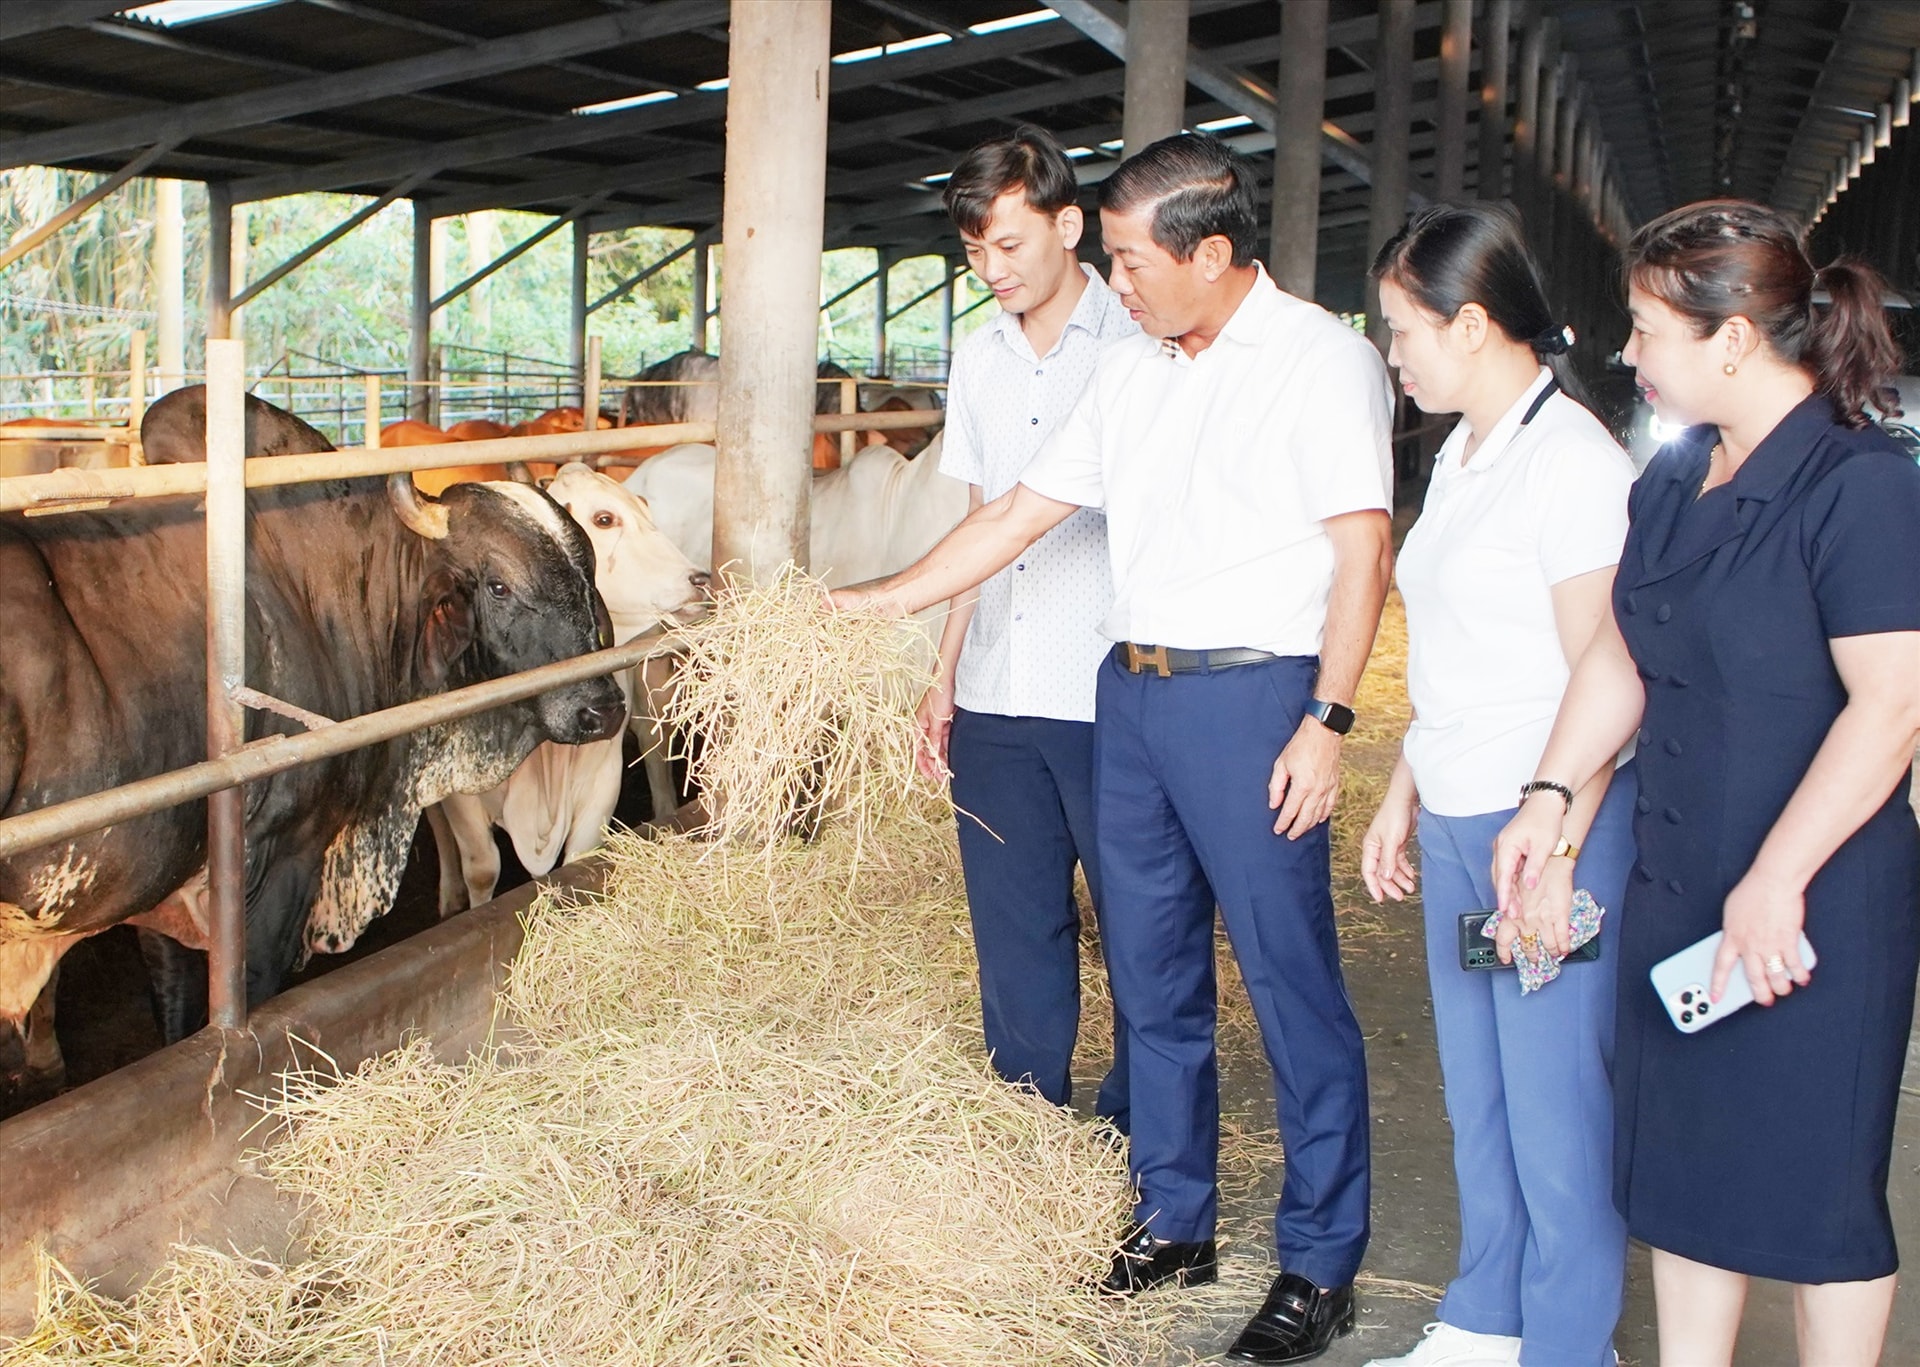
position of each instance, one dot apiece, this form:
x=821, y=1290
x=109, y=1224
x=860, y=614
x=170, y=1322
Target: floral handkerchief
x=1537, y=970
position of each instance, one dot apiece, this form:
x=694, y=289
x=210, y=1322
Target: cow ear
x=447, y=629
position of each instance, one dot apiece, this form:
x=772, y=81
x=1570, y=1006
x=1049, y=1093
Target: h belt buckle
x=1139, y=658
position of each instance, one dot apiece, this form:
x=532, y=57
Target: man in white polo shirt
x=1011, y=712
x=1241, y=452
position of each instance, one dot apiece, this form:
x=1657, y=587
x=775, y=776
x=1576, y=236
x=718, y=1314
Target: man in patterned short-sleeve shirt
x=1012, y=710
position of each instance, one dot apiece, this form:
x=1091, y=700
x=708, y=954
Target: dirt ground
x=105, y=1022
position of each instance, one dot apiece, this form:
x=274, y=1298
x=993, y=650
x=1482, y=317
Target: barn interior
x=1591, y=116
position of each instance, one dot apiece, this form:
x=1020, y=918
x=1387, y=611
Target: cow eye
x=605, y=519
x=497, y=588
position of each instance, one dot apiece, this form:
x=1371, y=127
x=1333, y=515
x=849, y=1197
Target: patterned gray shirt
x=1033, y=649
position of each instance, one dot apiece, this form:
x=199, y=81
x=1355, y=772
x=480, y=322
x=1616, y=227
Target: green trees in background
x=69, y=304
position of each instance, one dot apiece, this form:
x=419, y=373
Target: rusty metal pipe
x=226, y=524
x=275, y=754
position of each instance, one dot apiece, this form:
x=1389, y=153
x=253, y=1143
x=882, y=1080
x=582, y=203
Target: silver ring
x=1776, y=965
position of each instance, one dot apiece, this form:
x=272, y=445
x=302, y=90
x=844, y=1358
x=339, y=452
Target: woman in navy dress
x=1766, y=651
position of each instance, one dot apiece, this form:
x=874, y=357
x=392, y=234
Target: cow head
x=512, y=588
x=641, y=574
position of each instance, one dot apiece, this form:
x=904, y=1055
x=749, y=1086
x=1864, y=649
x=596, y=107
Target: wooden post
x=226, y=671
x=1392, y=87
x=371, y=439
x=882, y=265
x=773, y=223
x=1497, y=25
x=1526, y=118
x=1156, y=89
x=420, y=316
x=849, y=403
x=170, y=283
x=219, y=260
x=577, y=315
x=1456, y=50
x=1294, y=257
x=590, y=387
x=952, y=266
x=136, y=380
x=702, y=277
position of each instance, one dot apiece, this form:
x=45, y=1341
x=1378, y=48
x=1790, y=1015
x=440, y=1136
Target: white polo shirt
x=1217, y=470
x=1535, y=504
x=1033, y=648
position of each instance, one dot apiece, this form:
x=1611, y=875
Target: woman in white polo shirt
x=1505, y=577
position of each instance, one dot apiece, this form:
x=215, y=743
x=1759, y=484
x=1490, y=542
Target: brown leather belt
x=1167, y=660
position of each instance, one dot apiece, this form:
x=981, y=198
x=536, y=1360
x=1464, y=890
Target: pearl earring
x=1729, y=367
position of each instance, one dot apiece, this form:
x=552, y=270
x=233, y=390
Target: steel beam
x=700, y=107
x=646, y=273
x=19, y=18
x=334, y=91
x=1236, y=89
x=517, y=250
x=20, y=246
x=321, y=243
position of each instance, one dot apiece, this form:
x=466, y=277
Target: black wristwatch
x=1336, y=717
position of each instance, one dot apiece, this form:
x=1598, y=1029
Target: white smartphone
x=1682, y=981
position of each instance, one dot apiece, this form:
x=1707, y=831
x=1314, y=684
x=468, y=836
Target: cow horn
x=518, y=472
x=429, y=519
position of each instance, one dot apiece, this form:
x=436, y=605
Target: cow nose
x=702, y=581
x=601, y=722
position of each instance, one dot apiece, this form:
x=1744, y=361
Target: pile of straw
x=745, y=1118
x=804, y=712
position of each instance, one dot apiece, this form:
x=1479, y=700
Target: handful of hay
x=805, y=712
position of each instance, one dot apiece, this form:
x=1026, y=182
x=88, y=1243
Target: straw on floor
x=742, y=1115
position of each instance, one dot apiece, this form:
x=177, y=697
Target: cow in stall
x=557, y=805
x=361, y=595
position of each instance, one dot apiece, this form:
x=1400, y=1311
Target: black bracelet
x=1544, y=785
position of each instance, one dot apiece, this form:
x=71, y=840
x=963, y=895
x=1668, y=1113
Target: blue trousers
x=1529, y=1092
x=1180, y=786
x=1030, y=780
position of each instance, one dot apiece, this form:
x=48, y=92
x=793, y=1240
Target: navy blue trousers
x=1180, y=787
x=1030, y=780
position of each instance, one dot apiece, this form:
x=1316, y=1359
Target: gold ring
x=1776, y=965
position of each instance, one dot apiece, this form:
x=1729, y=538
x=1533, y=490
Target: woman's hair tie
x=1555, y=341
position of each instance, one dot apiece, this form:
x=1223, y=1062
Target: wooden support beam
x=778, y=65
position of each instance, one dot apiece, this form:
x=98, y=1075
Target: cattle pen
x=136, y=1123
x=739, y=143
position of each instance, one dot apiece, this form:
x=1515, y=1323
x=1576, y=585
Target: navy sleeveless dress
x=1762, y=1143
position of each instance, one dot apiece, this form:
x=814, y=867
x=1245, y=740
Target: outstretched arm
x=985, y=543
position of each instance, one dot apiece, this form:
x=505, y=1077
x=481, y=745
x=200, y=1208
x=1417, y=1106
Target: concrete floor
x=1415, y=1223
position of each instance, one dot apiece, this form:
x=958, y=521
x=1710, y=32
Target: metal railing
x=231, y=761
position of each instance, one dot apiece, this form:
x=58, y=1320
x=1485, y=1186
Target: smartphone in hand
x=1682, y=981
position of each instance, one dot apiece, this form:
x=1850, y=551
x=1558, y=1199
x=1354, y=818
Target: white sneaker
x=1448, y=1346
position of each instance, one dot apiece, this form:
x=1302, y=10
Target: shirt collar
x=1088, y=315
x=1780, y=454
x=1497, y=442
x=1247, y=326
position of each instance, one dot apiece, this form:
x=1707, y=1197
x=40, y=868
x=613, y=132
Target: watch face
x=1334, y=716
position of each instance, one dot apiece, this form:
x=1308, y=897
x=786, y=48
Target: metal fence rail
x=224, y=479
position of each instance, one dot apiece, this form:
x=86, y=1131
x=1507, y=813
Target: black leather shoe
x=1145, y=1262
x=1298, y=1322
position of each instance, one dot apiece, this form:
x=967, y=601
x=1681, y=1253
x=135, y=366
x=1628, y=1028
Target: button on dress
x=1762, y=1143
